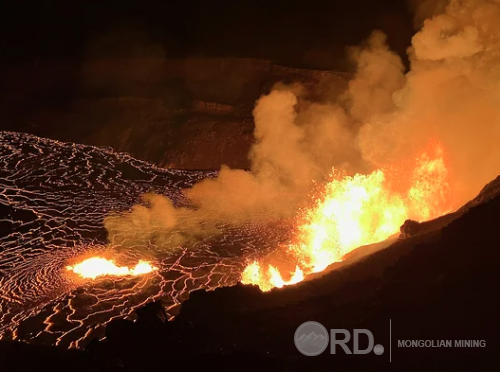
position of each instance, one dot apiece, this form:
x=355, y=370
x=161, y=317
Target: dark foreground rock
x=438, y=286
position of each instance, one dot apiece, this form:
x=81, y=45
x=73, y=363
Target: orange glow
x=353, y=211
x=93, y=267
x=270, y=279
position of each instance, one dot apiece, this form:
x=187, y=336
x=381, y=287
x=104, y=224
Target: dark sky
x=311, y=33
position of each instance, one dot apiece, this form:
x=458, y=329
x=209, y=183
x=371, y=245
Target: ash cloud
x=451, y=94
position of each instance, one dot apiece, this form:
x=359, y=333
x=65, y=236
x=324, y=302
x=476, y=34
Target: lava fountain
x=352, y=211
x=93, y=267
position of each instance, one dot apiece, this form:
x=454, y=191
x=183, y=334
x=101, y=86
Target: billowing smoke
x=451, y=94
x=293, y=148
x=426, y=9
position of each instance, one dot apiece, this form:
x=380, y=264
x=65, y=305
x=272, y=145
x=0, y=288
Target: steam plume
x=451, y=93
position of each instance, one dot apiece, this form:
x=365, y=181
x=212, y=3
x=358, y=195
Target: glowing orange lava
x=353, y=211
x=93, y=267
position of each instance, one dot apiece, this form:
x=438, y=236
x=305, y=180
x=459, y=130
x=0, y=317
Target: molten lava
x=97, y=266
x=272, y=278
x=353, y=211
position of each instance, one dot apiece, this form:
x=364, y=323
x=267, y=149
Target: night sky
x=310, y=34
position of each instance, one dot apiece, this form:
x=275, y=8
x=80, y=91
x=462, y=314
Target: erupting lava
x=97, y=266
x=353, y=211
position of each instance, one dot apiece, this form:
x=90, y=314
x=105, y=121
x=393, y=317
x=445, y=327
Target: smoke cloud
x=426, y=9
x=451, y=94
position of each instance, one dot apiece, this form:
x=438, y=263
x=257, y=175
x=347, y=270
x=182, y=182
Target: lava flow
x=93, y=267
x=353, y=211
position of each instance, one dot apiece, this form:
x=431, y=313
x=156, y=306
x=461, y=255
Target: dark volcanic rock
x=219, y=304
x=152, y=314
x=410, y=228
x=439, y=286
x=18, y=356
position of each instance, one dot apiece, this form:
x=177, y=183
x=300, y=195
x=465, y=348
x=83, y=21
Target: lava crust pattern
x=53, y=199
